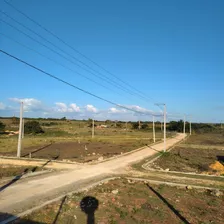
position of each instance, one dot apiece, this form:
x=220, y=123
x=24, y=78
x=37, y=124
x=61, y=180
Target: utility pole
x=184, y=123
x=20, y=130
x=139, y=125
x=154, y=134
x=93, y=128
x=23, y=130
x=164, y=126
x=190, y=127
x=161, y=125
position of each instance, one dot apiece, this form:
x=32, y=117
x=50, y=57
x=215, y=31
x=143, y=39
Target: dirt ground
x=206, y=139
x=189, y=159
x=196, y=154
x=75, y=151
x=122, y=201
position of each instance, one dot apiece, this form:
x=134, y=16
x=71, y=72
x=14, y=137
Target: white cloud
x=36, y=108
x=2, y=106
x=114, y=110
x=30, y=104
x=91, y=108
x=63, y=108
x=74, y=107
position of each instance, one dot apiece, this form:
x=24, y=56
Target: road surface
x=30, y=192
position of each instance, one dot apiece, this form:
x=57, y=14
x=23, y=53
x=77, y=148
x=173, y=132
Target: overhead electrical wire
x=139, y=93
x=54, y=51
x=100, y=75
x=72, y=85
x=76, y=72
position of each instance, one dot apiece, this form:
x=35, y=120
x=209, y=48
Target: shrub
x=2, y=126
x=32, y=127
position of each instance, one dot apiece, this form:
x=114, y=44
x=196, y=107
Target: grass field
x=197, y=154
x=11, y=171
x=71, y=140
x=122, y=202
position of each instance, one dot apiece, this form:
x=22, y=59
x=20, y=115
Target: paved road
x=25, y=193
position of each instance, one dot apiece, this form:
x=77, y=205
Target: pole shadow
x=16, y=178
x=155, y=149
x=168, y=205
x=37, y=150
x=54, y=158
x=9, y=218
x=89, y=205
x=59, y=210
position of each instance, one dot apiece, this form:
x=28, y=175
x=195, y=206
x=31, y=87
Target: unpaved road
x=26, y=193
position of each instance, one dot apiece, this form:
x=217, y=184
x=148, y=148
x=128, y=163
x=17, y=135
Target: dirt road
x=26, y=193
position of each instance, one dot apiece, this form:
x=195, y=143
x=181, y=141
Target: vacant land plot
x=189, y=159
x=122, y=201
x=71, y=140
x=207, y=139
x=78, y=151
x=11, y=171
x=199, y=158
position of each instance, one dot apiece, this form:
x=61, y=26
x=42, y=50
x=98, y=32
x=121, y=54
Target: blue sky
x=172, y=51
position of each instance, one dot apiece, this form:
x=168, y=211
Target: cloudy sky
x=133, y=53
x=36, y=108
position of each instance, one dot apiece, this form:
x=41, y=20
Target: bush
x=135, y=125
x=32, y=127
x=2, y=127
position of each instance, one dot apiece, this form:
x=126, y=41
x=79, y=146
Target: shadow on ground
x=88, y=205
x=37, y=150
x=16, y=178
x=6, y=217
x=176, y=212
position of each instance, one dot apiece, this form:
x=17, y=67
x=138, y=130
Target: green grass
x=73, y=131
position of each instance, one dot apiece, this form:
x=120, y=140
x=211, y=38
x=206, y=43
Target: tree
x=33, y=127
x=176, y=126
x=144, y=126
x=135, y=125
x=2, y=127
x=15, y=120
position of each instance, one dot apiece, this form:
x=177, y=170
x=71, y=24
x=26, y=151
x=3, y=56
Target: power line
x=37, y=52
x=49, y=48
x=69, y=84
x=139, y=93
x=100, y=75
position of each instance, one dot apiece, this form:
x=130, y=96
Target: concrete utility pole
x=190, y=127
x=23, y=130
x=139, y=125
x=20, y=130
x=184, y=123
x=154, y=134
x=161, y=124
x=164, y=119
x=93, y=129
x=164, y=127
